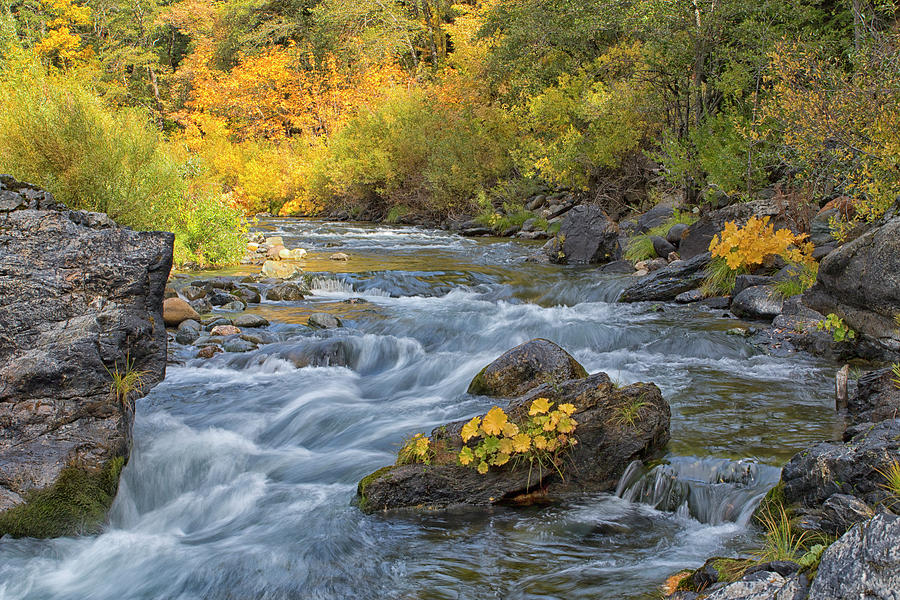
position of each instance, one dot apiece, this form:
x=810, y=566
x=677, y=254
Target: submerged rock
x=322, y=320
x=615, y=426
x=79, y=297
x=248, y=320
x=525, y=367
x=667, y=283
x=863, y=563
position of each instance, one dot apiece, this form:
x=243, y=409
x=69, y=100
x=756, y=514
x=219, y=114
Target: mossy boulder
x=524, y=368
x=615, y=426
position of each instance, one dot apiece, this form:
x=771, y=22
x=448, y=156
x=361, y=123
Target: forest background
x=193, y=115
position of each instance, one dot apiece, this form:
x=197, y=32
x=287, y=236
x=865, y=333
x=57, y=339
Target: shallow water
x=245, y=467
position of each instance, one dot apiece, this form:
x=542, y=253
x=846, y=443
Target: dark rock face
x=655, y=217
x=742, y=282
x=863, y=563
x=586, y=236
x=524, y=368
x=814, y=475
x=860, y=281
x=667, y=283
x=877, y=397
x=695, y=240
x=675, y=233
x=78, y=297
x=662, y=247
x=757, y=302
x=606, y=445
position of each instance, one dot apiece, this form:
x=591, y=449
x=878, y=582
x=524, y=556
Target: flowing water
x=245, y=467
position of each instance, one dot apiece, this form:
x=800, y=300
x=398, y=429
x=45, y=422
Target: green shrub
x=803, y=278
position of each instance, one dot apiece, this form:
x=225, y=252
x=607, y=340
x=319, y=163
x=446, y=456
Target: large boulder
x=80, y=301
x=695, y=240
x=860, y=281
x=757, y=302
x=615, y=426
x=176, y=310
x=667, y=283
x=863, y=563
x=587, y=236
x=524, y=368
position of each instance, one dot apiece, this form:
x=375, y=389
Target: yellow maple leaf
x=494, y=421
x=540, y=406
x=522, y=442
x=510, y=430
x=567, y=409
x=540, y=442
x=470, y=429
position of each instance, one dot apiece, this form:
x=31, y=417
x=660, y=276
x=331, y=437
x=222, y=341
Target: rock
x=169, y=293
x=815, y=474
x=297, y=253
x=250, y=321
x=757, y=302
x=661, y=246
x=275, y=240
x=176, y=310
x=238, y=345
x=225, y=330
x=474, y=231
x=820, y=227
x=667, y=283
x=248, y=295
x=219, y=283
x=322, y=320
x=220, y=298
x=208, y=351
x=188, y=332
x=675, y=233
x=672, y=257
x=863, y=563
x=640, y=273
x=877, y=397
x=234, y=306
x=274, y=252
x=280, y=270
x=836, y=515
x=691, y=296
x=655, y=217
x=284, y=253
x=860, y=281
x=655, y=264
x=761, y=585
x=536, y=202
x=525, y=367
x=215, y=322
x=696, y=238
x=286, y=292
x=586, y=236
x=532, y=235
x=79, y=297
x=717, y=302
x=192, y=292
x=742, y=282
x=618, y=266
x=606, y=446
x=339, y=256
x=510, y=231
x=202, y=306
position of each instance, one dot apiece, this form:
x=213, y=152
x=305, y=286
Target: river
x=244, y=470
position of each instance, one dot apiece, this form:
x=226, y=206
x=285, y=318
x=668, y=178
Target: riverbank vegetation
x=187, y=114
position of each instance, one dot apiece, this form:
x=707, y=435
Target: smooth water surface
x=244, y=470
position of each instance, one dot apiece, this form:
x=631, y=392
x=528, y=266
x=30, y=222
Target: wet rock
x=863, y=563
x=176, y=310
x=860, y=281
x=248, y=295
x=322, y=320
x=655, y=217
x=275, y=240
x=761, y=585
x=202, y=306
x=220, y=298
x=192, y=292
x=332, y=352
x=662, y=247
x=188, y=332
x=606, y=446
x=667, y=283
x=224, y=330
x=836, y=515
x=248, y=320
x=280, y=270
x=238, y=345
x=757, y=302
x=742, y=282
x=77, y=296
x=526, y=367
x=675, y=233
x=235, y=306
x=655, y=264
x=355, y=301
x=618, y=266
x=290, y=292
x=877, y=397
x=689, y=297
x=218, y=283
x=717, y=302
x=815, y=474
x=586, y=236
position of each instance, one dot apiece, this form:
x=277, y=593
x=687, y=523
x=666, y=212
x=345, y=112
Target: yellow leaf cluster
x=748, y=246
x=417, y=449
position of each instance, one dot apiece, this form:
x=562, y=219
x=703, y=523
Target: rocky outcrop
x=80, y=301
x=860, y=282
x=524, y=368
x=667, y=283
x=587, y=236
x=863, y=563
x=614, y=427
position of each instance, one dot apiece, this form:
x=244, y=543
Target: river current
x=244, y=469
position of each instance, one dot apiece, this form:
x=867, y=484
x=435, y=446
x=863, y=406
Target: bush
x=56, y=133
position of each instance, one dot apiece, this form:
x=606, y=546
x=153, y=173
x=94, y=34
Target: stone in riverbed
x=340, y=256
x=877, y=397
x=280, y=270
x=188, y=332
x=176, y=310
x=667, y=283
x=675, y=233
x=586, y=236
x=208, y=351
x=526, y=367
x=289, y=291
x=192, y=292
x=607, y=444
x=238, y=345
x=322, y=320
x=662, y=247
x=248, y=320
x=225, y=330
x=235, y=306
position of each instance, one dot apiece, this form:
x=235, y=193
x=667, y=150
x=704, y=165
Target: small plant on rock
x=835, y=325
x=417, y=449
x=630, y=413
x=781, y=544
x=540, y=440
x=126, y=380
x=895, y=371
x=892, y=480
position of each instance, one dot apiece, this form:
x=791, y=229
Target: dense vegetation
x=183, y=114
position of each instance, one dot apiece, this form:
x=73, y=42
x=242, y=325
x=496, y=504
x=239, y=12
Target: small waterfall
x=710, y=490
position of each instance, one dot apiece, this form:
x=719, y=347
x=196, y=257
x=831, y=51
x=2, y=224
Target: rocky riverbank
x=81, y=337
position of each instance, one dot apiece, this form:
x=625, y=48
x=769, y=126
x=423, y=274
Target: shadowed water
x=245, y=467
